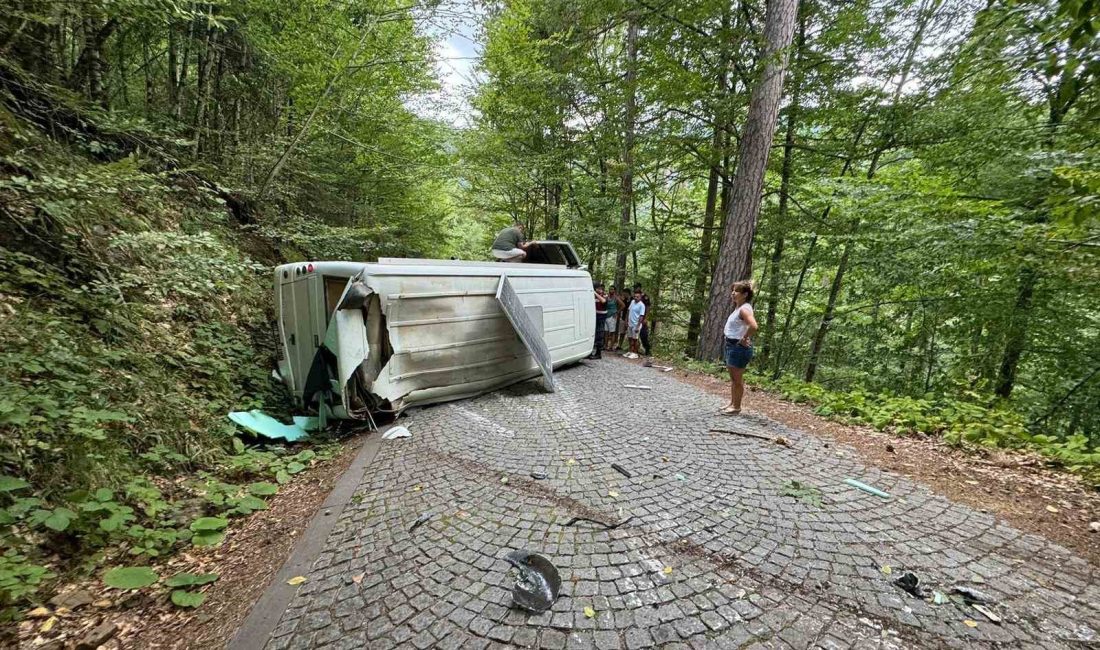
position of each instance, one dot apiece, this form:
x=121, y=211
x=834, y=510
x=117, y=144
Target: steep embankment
x=133, y=316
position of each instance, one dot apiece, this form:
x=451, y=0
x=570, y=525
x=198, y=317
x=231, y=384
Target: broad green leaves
x=130, y=578
x=190, y=579
x=207, y=531
x=184, y=598
x=11, y=484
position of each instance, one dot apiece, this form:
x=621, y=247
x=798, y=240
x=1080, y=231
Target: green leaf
x=186, y=579
x=281, y=477
x=251, y=503
x=184, y=598
x=207, y=538
x=59, y=519
x=238, y=446
x=103, y=494
x=294, y=467
x=263, y=489
x=11, y=483
x=134, y=577
x=204, y=524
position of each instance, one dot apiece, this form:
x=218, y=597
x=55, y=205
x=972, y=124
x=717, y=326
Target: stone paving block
x=749, y=566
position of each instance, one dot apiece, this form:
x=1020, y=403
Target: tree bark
x=1017, y=332
x=87, y=74
x=830, y=312
x=735, y=254
x=150, y=89
x=1028, y=277
x=202, y=96
x=778, y=365
x=173, y=70
x=629, y=109
x=702, y=270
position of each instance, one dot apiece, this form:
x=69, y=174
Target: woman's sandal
x=730, y=411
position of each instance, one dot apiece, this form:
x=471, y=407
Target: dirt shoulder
x=1020, y=488
x=254, y=550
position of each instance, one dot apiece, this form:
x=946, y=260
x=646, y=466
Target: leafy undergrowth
x=131, y=323
x=969, y=419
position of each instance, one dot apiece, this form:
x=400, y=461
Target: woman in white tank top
x=740, y=327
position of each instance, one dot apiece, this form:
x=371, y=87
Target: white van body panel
x=430, y=331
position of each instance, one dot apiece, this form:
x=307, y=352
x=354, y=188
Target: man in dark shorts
x=601, y=319
x=644, y=338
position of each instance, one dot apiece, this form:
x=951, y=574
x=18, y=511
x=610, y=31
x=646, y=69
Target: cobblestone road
x=750, y=567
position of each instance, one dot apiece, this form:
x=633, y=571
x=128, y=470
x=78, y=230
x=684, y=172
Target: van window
x=334, y=288
x=549, y=252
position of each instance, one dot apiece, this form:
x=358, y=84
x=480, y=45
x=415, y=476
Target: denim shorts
x=737, y=356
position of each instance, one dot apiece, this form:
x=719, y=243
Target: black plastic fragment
x=420, y=521
x=910, y=584
x=606, y=526
x=622, y=470
x=538, y=583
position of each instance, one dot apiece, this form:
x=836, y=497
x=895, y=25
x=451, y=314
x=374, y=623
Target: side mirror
x=355, y=297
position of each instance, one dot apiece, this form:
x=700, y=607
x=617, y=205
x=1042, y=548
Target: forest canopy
x=929, y=218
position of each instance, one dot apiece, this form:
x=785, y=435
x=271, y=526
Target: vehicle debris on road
x=866, y=488
x=394, y=433
x=910, y=584
x=622, y=470
x=606, y=526
x=538, y=582
x=420, y=521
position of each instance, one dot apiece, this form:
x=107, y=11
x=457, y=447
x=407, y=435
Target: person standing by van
x=643, y=336
x=636, y=314
x=601, y=319
x=615, y=307
x=509, y=246
x=740, y=328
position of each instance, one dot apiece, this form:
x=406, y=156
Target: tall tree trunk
x=1027, y=278
x=777, y=367
x=147, y=65
x=185, y=61
x=735, y=255
x=173, y=70
x=629, y=108
x=702, y=269
x=87, y=74
x=205, y=82
x=830, y=312
x=772, y=293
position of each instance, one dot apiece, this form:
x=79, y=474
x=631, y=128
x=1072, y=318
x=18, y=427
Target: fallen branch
x=747, y=434
x=598, y=523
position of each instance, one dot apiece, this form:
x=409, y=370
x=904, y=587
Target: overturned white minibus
x=361, y=338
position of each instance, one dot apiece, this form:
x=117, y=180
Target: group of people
x=619, y=322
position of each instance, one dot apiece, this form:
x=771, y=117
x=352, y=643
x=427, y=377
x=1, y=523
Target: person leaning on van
x=509, y=245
